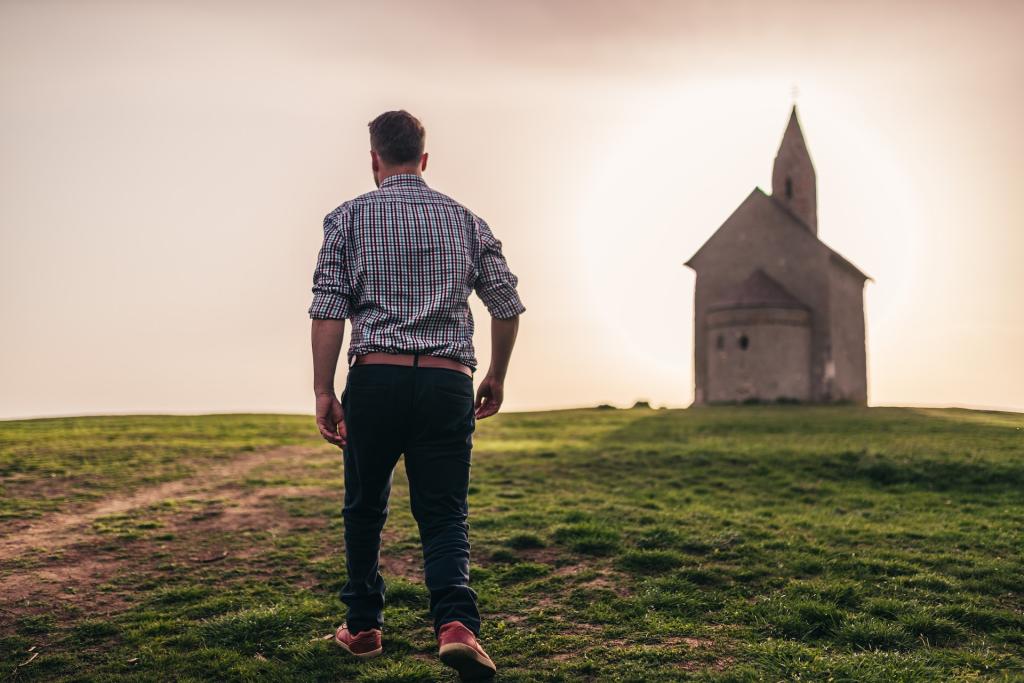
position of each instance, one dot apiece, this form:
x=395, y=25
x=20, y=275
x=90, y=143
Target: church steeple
x=793, y=179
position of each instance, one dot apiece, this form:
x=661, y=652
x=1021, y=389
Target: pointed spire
x=794, y=135
x=794, y=184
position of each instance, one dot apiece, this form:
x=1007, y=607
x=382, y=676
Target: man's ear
x=374, y=161
x=423, y=162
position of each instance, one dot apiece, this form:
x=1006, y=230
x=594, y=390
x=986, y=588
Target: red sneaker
x=364, y=645
x=460, y=651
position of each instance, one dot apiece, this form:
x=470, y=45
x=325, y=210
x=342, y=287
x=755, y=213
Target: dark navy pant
x=427, y=415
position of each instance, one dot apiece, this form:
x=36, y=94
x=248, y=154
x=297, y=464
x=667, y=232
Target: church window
x=789, y=187
x=744, y=342
x=720, y=342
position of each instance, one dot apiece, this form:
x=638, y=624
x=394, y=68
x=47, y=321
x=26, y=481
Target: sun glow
x=673, y=172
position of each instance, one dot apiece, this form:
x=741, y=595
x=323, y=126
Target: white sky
x=165, y=169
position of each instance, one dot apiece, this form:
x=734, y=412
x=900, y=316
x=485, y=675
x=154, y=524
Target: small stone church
x=779, y=316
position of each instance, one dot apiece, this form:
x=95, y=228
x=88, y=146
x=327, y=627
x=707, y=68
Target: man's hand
x=492, y=390
x=489, y=396
x=330, y=419
x=326, y=336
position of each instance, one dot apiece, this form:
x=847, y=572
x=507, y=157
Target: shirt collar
x=403, y=180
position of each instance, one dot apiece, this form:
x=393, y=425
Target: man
x=400, y=263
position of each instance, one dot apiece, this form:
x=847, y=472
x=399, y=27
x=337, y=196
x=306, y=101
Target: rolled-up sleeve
x=495, y=283
x=332, y=294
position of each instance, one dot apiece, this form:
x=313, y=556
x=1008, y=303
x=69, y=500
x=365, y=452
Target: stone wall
x=760, y=234
x=849, y=355
x=759, y=354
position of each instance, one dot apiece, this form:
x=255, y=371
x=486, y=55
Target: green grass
x=722, y=544
x=45, y=464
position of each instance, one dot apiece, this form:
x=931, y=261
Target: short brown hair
x=397, y=137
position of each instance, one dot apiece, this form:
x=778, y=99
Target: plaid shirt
x=401, y=262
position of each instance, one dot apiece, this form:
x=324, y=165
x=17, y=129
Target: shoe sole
x=359, y=655
x=470, y=664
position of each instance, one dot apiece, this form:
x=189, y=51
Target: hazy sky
x=165, y=169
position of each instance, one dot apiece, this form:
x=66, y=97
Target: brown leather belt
x=410, y=360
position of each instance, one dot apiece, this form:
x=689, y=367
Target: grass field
x=723, y=544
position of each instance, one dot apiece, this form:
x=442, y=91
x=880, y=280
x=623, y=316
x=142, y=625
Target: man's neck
x=386, y=173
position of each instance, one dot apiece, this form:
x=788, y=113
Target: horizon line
x=190, y=413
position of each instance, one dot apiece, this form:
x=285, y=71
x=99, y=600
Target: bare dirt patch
x=60, y=529
x=607, y=581
x=669, y=641
x=66, y=559
x=548, y=555
x=689, y=642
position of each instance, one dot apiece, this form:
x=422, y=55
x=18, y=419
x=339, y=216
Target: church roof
x=799, y=231
x=841, y=260
x=759, y=290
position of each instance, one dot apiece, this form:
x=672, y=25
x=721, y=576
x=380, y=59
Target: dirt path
x=59, y=530
x=66, y=559
x=77, y=561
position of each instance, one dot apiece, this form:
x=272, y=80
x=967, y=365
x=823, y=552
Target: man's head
x=396, y=145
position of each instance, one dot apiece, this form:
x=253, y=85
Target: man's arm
x=492, y=389
x=327, y=337
x=496, y=287
x=332, y=296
